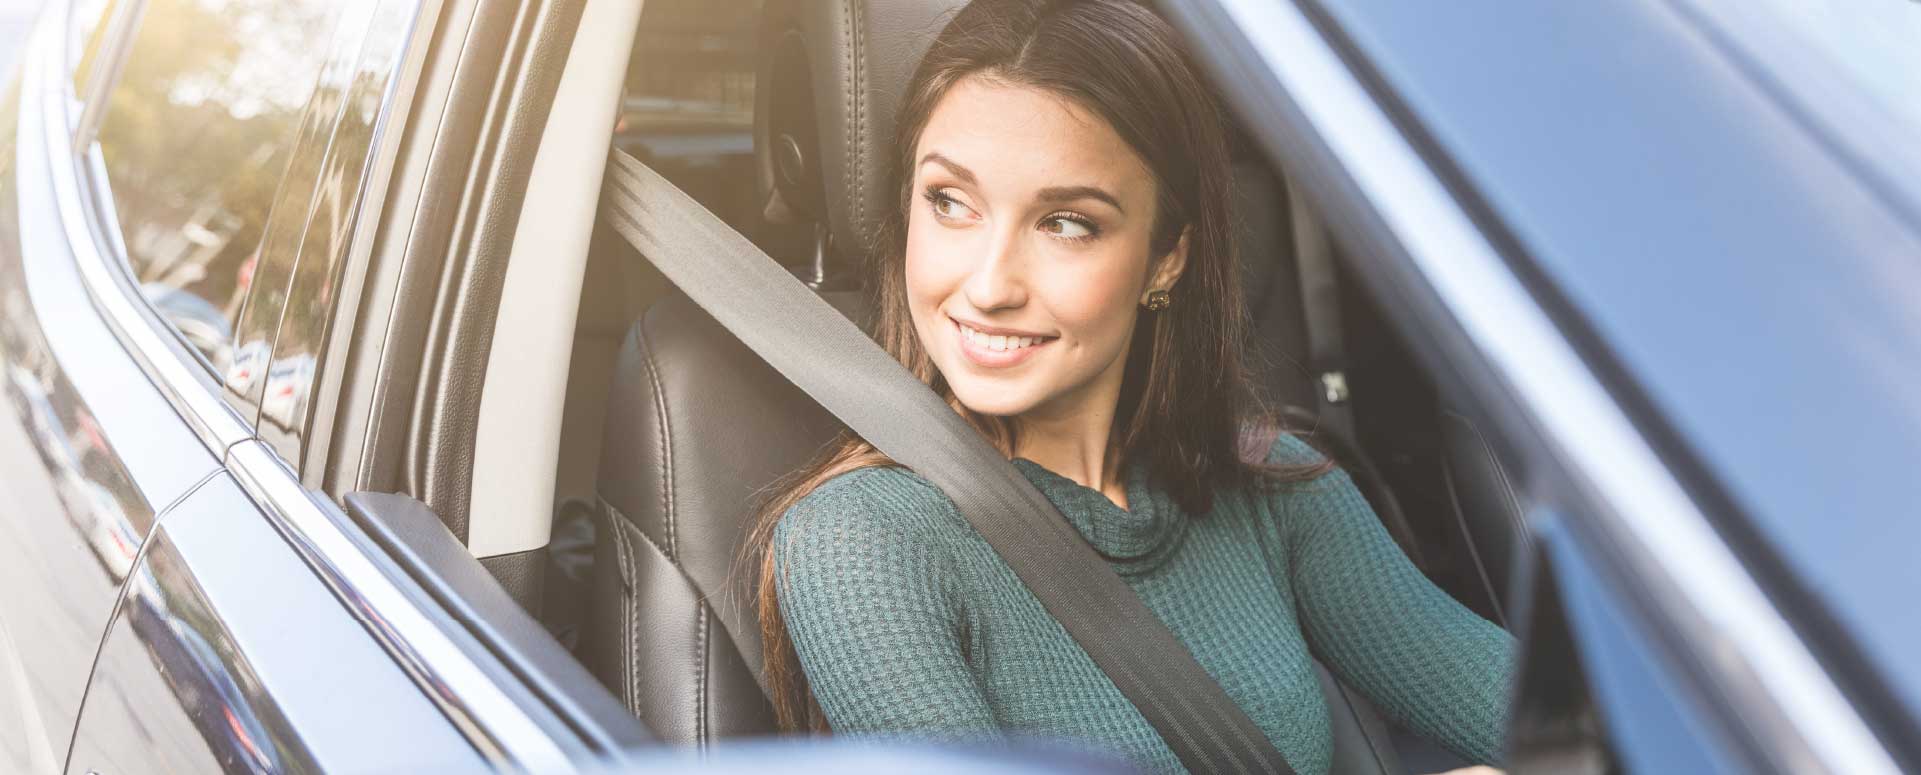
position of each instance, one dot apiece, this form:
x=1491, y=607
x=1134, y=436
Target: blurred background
x=15, y=15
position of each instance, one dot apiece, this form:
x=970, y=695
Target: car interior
x=669, y=433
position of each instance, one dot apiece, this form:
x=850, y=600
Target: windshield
x=1853, y=67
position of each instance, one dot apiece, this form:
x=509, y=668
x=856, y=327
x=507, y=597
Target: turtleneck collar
x=1134, y=539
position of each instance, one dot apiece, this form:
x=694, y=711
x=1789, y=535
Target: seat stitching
x=847, y=98
x=632, y=615
x=1460, y=519
x=860, y=123
x=700, y=673
x=623, y=555
x=701, y=610
x=665, y=443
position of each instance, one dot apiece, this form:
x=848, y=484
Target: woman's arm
x=865, y=596
x=1424, y=658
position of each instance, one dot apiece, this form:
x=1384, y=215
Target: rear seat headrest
x=828, y=92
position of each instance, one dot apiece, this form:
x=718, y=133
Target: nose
x=997, y=281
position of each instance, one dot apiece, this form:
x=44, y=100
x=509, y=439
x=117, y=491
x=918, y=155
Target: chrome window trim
x=502, y=730
x=118, y=27
x=179, y=376
x=1647, y=509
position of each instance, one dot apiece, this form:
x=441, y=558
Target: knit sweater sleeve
x=866, y=593
x=1382, y=626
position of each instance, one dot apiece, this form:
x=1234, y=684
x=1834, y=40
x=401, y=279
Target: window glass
x=688, y=112
x=352, y=93
x=1853, y=65
x=86, y=32
x=194, y=139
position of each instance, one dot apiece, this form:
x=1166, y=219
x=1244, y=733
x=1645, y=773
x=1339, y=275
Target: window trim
x=117, y=30
x=1327, y=122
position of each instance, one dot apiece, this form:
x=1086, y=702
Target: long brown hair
x=1185, y=398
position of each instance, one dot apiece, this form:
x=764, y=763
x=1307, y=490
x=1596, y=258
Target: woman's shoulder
x=1291, y=450
x=866, y=505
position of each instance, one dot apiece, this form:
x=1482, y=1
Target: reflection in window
x=301, y=307
x=688, y=112
x=85, y=34
x=195, y=137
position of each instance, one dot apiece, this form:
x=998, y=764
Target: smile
x=997, y=349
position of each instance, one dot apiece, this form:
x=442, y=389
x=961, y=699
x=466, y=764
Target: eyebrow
x=966, y=175
x=1071, y=193
x=1049, y=194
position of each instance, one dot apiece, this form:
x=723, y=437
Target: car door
x=1655, y=635
x=263, y=628
x=198, y=148
x=130, y=246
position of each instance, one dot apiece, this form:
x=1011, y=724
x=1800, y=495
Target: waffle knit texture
x=908, y=624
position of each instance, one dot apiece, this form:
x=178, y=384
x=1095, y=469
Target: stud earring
x=1158, y=300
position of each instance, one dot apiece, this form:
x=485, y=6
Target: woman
x=1060, y=270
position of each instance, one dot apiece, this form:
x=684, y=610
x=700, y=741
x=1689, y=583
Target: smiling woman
x=1059, y=268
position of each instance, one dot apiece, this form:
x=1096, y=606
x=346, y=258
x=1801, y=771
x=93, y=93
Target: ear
x=1168, y=269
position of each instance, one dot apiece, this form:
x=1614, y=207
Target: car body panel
x=1753, y=293
x=223, y=659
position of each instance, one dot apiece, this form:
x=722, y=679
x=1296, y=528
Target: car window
x=294, y=312
x=193, y=139
x=688, y=112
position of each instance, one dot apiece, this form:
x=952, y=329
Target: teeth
x=998, y=341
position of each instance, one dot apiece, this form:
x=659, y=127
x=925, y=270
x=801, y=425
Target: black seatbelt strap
x=1321, y=306
x=827, y=357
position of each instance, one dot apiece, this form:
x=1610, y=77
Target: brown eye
x=1067, y=227
x=945, y=206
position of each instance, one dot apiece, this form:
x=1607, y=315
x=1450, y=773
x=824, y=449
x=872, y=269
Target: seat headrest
x=829, y=89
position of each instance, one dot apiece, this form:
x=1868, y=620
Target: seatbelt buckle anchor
x=1334, y=387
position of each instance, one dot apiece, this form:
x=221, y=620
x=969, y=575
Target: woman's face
x=1027, y=250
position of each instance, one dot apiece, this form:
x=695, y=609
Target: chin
x=992, y=400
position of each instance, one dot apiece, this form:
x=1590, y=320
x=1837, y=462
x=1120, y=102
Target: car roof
x=1745, y=286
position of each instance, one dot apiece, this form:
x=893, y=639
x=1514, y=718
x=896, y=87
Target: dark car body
x=1686, y=297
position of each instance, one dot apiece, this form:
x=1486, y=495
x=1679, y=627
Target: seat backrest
x=699, y=428
x=1486, y=505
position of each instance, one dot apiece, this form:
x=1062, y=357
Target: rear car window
x=194, y=138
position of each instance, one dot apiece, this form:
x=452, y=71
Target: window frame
x=1486, y=333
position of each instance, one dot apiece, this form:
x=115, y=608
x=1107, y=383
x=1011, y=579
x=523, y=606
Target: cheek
x=932, y=272
x=1095, y=301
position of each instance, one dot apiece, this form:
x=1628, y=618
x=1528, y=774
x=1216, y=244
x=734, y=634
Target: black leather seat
x=1487, y=508
x=698, y=427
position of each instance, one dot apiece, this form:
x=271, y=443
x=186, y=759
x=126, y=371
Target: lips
x=998, y=348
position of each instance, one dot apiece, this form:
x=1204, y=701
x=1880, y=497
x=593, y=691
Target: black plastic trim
x=420, y=544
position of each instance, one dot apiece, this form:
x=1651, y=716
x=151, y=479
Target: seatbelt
x=1327, y=361
x=1321, y=307
x=828, y=358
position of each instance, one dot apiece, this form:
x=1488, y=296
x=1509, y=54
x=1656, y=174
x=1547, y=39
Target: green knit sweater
x=907, y=623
